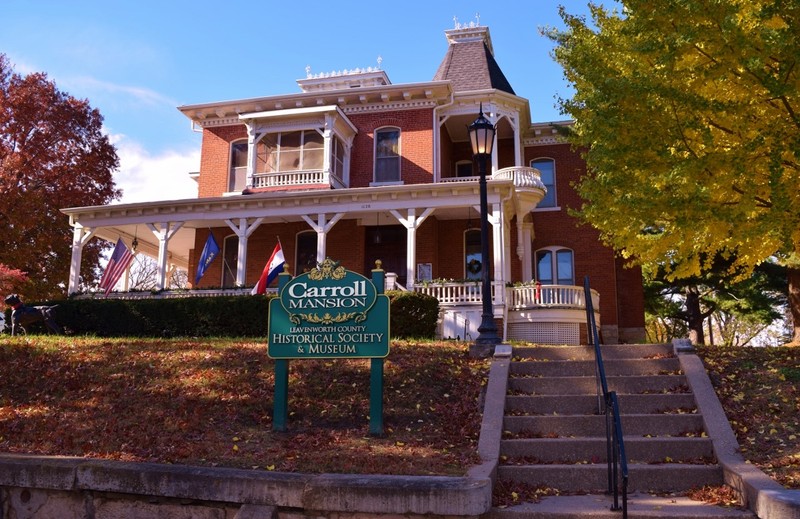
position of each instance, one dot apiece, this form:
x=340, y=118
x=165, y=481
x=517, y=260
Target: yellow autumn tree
x=688, y=111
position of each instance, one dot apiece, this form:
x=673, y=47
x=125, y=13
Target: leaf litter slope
x=209, y=402
x=759, y=388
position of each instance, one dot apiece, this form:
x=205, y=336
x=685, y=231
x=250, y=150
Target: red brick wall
x=215, y=159
x=558, y=228
x=416, y=139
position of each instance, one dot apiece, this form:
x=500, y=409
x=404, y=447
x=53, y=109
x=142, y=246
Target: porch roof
x=130, y=220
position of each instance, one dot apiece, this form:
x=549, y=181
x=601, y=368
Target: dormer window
x=387, y=155
x=290, y=151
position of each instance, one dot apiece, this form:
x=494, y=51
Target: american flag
x=120, y=259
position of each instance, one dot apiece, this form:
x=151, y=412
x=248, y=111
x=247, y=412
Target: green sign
x=329, y=312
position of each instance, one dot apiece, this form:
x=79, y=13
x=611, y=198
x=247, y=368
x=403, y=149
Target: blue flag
x=210, y=252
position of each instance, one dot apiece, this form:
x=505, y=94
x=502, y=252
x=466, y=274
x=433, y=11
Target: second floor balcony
x=298, y=179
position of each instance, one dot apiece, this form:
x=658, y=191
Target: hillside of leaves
x=209, y=402
x=760, y=391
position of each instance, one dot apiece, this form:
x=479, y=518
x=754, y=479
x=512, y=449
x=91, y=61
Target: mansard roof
x=469, y=63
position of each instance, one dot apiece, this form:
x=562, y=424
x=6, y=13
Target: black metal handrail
x=609, y=406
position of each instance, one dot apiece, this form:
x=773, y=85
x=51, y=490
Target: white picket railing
x=521, y=297
x=297, y=178
x=549, y=296
x=458, y=293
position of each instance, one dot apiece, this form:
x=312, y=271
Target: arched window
x=555, y=266
x=306, y=252
x=387, y=155
x=229, y=263
x=237, y=179
x=473, y=267
x=547, y=170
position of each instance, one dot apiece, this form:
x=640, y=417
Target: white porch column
x=322, y=226
x=252, y=138
x=327, y=146
x=80, y=237
x=495, y=218
x=243, y=231
x=163, y=232
x=411, y=223
x=527, y=253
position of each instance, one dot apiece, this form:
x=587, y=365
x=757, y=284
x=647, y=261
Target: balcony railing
x=311, y=177
x=522, y=176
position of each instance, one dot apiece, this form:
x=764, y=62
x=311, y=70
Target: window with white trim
x=237, y=179
x=547, y=171
x=301, y=150
x=338, y=158
x=387, y=155
x=464, y=168
x=473, y=266
x=555, y=266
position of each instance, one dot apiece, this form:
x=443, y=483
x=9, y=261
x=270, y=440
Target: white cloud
x=145, y=178
x=138, y=95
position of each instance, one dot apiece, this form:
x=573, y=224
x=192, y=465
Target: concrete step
x=587, y=404
x=598, y=506
x=666, y=477
x=594, y=425
x=593, y=450
x=586, y=368
x=611, y=351
x=636, y=384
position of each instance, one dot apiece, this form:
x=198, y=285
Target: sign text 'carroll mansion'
x=329, y=312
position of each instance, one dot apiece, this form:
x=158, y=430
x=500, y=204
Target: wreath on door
x=474, y=266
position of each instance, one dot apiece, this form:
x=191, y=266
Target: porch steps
x=553, y=437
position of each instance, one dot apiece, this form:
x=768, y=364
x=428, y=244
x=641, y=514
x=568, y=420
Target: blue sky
x=138, y=61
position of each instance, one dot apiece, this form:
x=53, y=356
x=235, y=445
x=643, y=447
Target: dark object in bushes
x=413, y=315
x=22, y=315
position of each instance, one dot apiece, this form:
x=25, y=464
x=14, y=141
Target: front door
x=388, y=244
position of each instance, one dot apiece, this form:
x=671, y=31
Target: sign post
x=376, y=369
x=329, y=312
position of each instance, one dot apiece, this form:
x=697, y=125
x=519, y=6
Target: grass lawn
x=209, y=402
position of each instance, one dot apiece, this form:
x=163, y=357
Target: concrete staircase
x=554, y=437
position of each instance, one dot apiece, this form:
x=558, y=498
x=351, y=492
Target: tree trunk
x=793, y=273
x=694, y=316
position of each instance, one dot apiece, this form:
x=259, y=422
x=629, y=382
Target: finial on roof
x=380, y=60
x=308, y=71
x=470, y=25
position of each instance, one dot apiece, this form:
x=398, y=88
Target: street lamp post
x=481, y=136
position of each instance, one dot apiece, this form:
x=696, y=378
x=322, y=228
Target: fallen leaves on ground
x=210, y=402
x=759, y=388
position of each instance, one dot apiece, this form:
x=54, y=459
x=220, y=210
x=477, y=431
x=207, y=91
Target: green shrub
x=413, y=315
x=225, y=316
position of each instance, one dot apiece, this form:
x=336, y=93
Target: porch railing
x=459, y=293
x=523, y=177
x=552, y=296
x=298, y=178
